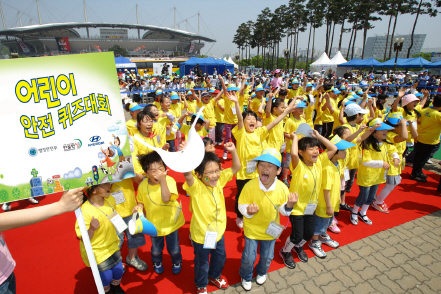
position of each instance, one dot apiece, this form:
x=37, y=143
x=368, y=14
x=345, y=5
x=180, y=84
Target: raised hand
x=292, y=200
x=229, y=146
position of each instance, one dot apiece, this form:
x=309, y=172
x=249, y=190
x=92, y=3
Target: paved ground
x=403, y=259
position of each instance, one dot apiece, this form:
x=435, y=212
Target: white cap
x=353, y=109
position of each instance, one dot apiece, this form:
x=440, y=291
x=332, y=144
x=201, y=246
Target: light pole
x=237, y=56
x=286, y=53
x=398, y=45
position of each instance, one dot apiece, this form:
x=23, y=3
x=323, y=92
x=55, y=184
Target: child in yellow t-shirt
x=134, y=109
x=209, y=218
x=124, y=194
x=158, y=195
x=328, y=200
x=398, y=137
x=201, y=126
x=261, y=201
x=249, y=144
x=306, y=169
x=98, y=205
x=378, y=156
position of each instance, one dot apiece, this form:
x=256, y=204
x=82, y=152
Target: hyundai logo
x=95, y=139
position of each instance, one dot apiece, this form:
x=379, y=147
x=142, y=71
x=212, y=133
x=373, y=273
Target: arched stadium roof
x=17, y=31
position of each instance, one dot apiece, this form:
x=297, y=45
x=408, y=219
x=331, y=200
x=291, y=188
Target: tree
x=368, y=8
x=119, y=51
x=426, y=56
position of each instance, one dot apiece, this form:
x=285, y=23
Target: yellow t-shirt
x=131, y=126
x=191, y=106
x=306, y=182
x=208, y=112
x=105, y=241
x=291, y=126
x=354, y=160
x=140, y=149
x=249, y=146
x=327, y=116
x=308, y=115
x=160, y=128
x=331, y=181
x=219, y=113
x=295, y=92
x=208, y=206
x=275, y=138
x=336, y=116
x=177, y=109
x=430, y=128
x=370, y=176
x=318, y=110
x=189, y=85
x=401, y=147
x=161, y=214
x=171, y=135
x=157, y=104
x=255, y=227
x=126, y=187
x=185, y=129
x=229, y=115
x=255, y=104
x=411, y=118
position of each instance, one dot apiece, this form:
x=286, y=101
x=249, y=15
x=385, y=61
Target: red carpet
x=48, y=256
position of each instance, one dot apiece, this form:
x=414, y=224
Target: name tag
x=234, y=110
x=283, y=147
x=346, y=174
x=210, y=240
x=117, y=222
x=119, y=197
x=251, y=167
x=310, y=208
x=274, y=229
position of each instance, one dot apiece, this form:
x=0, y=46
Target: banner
x=63, y=43
x=98, y=48
x=191, y=47
x=64, y=131
x=114, y=33
x=23, y=46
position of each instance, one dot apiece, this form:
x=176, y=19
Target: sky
x=219, y=19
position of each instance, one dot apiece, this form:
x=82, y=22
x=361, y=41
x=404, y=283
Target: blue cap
x=134, y=107
x=174, y=96
x=343, y=87
x=341, y=144
x=383, y=125
x=360, y=92
x=158, y=92
x=300, y=104
x=418, y=95
x=270, y=155
x=336, y=91
x=295, y=82
x=394, y=118
x=189, y=93
x=308, y=85
x=259, y=88
x=232, y=87
x=211, y=90
x=253, y=95
x=355, y=96
x=347, y=101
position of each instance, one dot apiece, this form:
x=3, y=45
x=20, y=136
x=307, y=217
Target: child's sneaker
x=260, y=280
x=6, y=206
x=301, y=254
x=176, y=269
x=380, y=207
x=201, y=290
x=137, y=263
x=364, y=219
x=325, y=239
x=239, y=222
x=225, y=156
x=354, y=218
x=316, y=247
x=246, y=285
x=287, y=259
x=159, y=269
x=346, y=207
x=116, y=289
x=220, y=282
x=334, y=228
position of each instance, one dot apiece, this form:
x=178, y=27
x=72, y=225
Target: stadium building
x=375, y=46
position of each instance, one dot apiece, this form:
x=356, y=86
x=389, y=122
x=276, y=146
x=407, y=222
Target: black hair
x=409, y=112
x=248, y=113
x=127, y=107
x=339, y=103
x=207, y=141
x=372, y=142
x=283, y=92
x=162, y=98
x=200, y=120
x=340, y=131
x=327, y=86
x=147, y=109
x=276, y=103
x=350, y=118
x=146, y=160
x=437, y=101
x=307, y=142
x=382, y=96
x=208, y=157
x=141, y=115
x=86, y=195
x=259, y=119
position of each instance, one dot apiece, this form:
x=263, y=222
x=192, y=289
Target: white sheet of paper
x=119, y=197
x=274, y=230
x=117, y=222
x=310, y=209
x=210, y=240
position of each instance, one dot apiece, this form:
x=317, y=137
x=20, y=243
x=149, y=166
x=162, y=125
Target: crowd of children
x=317, y=139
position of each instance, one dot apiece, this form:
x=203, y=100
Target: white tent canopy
x=231, y=61
x=323, y=63
x=336, y=60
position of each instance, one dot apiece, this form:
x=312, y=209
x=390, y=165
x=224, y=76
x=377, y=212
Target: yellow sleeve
x=245, y=196
x=225, y=177
x=141, y=192
x=171, y=184
x=185, y=129
x=367, y=155
x=327, y=178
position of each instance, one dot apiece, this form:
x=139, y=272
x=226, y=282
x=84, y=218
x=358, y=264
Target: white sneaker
x=225, y=156
x=246, y=285
x=33, y=200
x=239, y=222
x=429, y=161
x=260, y=280
x=6, y=206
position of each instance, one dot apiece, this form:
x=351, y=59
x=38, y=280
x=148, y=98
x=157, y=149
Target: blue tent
x=371, y=62
x=123, y=63
x=206, y=64
x=418, y=62
x=435, y=65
